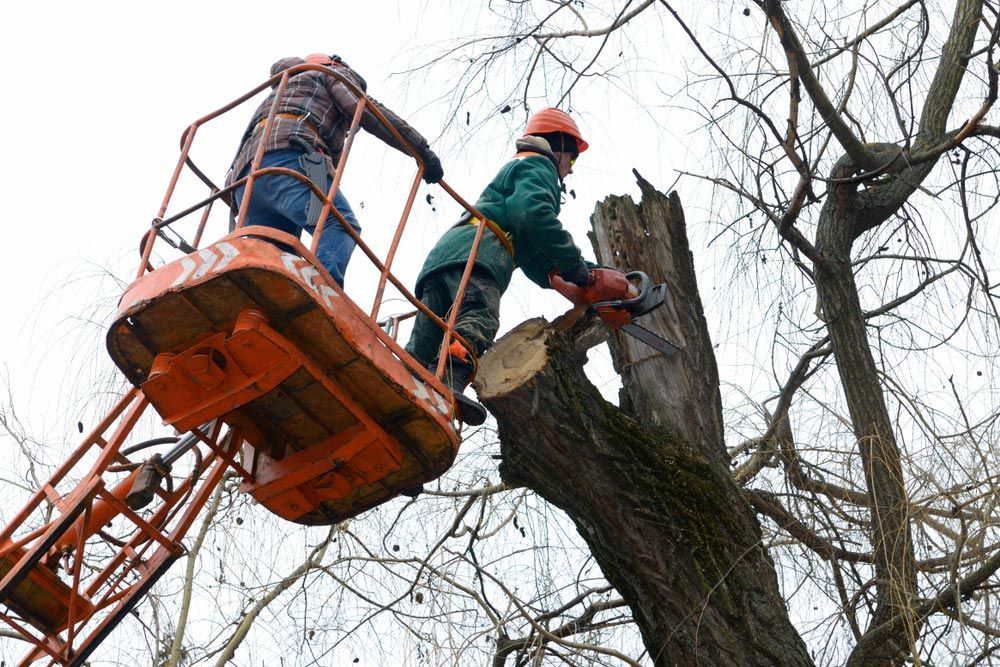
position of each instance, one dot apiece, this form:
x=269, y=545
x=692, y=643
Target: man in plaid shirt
x=308, y=135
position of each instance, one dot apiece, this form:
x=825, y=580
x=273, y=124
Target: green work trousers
x=478, y=316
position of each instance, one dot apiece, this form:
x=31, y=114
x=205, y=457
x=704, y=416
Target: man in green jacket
x=523, y=201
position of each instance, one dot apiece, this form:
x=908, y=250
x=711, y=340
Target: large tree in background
x=832, y=142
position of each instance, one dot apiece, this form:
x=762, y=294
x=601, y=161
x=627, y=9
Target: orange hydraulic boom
x=266, y=368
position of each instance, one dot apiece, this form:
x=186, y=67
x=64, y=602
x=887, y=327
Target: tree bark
x=848, y=213
x=683, y=389
x=648, y=487
x=895, y=568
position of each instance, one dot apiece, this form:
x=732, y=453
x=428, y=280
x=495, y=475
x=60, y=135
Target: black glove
x=579, y=276
x=433, y=171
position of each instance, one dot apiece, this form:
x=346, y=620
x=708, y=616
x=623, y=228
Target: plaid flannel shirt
x=322, y=108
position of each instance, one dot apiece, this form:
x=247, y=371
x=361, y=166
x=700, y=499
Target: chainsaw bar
x=651, y=339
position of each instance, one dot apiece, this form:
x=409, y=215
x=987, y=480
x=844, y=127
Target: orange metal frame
x=73, y=615
x=280, y=82
x=64, y=617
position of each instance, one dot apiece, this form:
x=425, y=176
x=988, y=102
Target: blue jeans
x=282, y=202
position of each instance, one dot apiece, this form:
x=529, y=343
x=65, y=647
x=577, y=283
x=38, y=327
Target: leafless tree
x=841, y=161
x=839, y=511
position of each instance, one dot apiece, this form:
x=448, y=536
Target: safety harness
x=299, y=117
x=526, y=146
x=505, y=237
x=314, y=164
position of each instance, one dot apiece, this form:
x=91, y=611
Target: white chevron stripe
x=311, y=277
x=208, y=258
x=425, y=393
x=229, y=253
x=188, y=265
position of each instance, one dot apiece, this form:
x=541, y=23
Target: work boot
x=456, y=378
x=412, y=491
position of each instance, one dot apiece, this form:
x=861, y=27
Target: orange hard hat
x=319, y=59
x=555, y=120
x=323, y=59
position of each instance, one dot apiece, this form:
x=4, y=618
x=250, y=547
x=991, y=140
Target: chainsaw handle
x=630, y=304
x=638, y=295
x=654, y=299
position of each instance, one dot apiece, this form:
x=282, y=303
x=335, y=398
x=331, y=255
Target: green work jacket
x=523, y=200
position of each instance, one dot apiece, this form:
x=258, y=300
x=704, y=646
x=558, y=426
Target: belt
x=497, y=231
x=302, y=118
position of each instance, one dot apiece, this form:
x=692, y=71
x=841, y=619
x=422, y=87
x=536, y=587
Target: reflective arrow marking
x=229, y=253
x=328, y=294
x=425, y=393
x=310, y=274
x=188, y=265
x=443, y=406
x=311, y=277
x=288, y=260
x=205, y=261
x=208, y=259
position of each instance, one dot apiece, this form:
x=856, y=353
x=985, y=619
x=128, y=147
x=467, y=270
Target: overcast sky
x=99, y=93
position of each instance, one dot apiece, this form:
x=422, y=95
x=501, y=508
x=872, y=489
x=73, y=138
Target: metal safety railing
x=161, y=225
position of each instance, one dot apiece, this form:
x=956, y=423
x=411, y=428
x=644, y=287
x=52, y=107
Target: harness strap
x=314, y=166
x=504, y=237
x=302, y=118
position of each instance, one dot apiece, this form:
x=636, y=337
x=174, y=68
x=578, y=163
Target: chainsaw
x=619, y=298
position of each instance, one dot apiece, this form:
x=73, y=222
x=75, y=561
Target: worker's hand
x=594, y=286
x=580, y=276
x=567, y=289
x=433, y=171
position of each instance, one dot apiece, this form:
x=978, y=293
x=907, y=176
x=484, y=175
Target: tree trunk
x=648, y=487
x=892, y=544
x=681, y=390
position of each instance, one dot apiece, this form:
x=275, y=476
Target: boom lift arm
x=266, y=368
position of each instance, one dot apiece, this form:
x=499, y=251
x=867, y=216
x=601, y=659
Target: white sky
x=99, y=93
x=97, y=97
